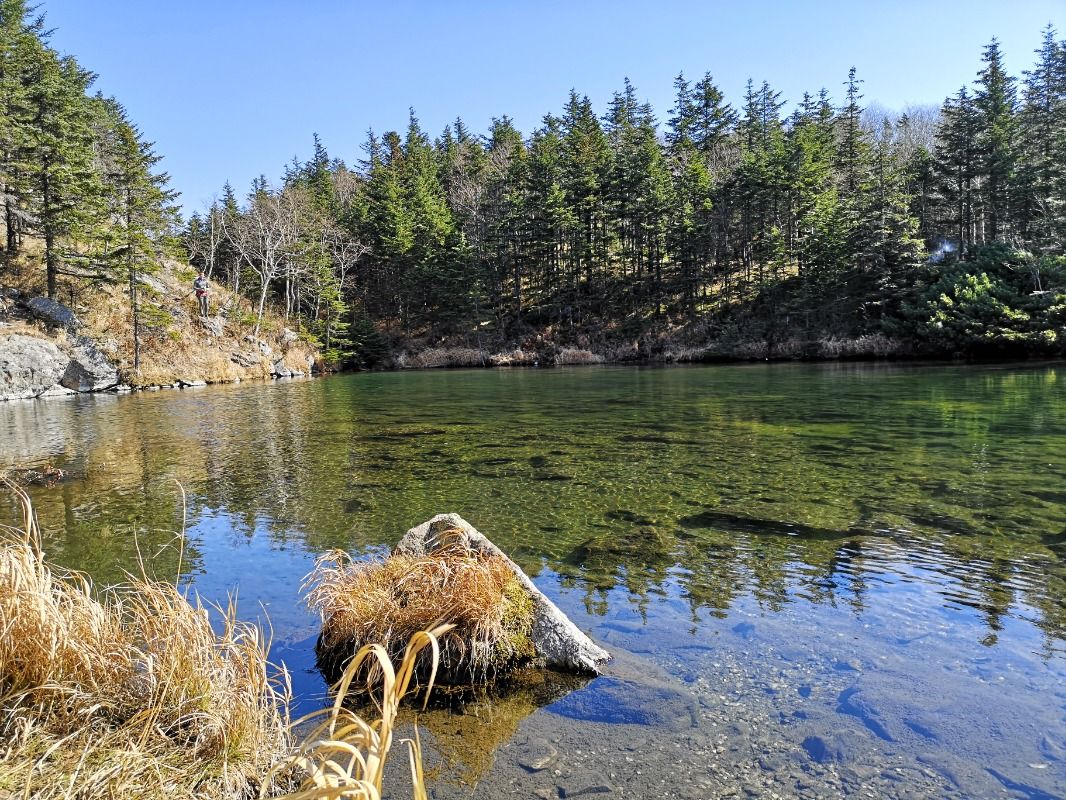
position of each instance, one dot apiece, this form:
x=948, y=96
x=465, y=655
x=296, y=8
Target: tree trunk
x=262, y=302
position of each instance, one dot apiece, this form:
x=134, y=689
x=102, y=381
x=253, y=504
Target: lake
x=815, y=579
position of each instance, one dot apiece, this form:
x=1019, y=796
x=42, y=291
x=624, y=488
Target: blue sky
x=230, y=90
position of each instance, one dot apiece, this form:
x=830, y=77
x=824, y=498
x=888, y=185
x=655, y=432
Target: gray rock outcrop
x=215, y=326
x=30, y=367
x=242, y=359
x=52, y=313
x=557, y=640
x=88, y=370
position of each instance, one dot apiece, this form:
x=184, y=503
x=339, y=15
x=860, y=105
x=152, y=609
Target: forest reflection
x=786, y=484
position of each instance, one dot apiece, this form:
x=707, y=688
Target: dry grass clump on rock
x=128, y=691
x=389, y=601
x=344, y=756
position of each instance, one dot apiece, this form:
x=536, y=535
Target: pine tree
x=20, y=51
x=996, y=103
x=1040, y=211
x=957, y=164
x=142, y=215
x=586, y=160
x=61, y=169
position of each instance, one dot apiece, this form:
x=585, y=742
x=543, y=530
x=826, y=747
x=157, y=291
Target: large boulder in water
x=30, y=367
x=88, y=370
x=558, y=642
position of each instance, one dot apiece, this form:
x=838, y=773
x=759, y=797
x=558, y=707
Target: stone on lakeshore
x=30, y=367
x=288, y=336
x=88, y=370
x=52, y=313
x=281, y=370
x=215, y=326
x=242, y=359
x=558, y=642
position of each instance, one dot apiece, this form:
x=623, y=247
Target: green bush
x=990, y=304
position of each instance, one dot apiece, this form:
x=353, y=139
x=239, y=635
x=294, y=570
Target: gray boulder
x=52, y=313
x=30, y=367
x=215, y=326
x=557, y=640
x=152, y=284
x=288, y=336
x=281, y=370
x=88, y=370
x=242, y=359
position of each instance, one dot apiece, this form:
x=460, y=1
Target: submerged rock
x=558, y=642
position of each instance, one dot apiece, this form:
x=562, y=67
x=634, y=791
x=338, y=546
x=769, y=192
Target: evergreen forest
x=751, y=227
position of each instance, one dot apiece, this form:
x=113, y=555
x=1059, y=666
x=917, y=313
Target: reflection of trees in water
x=712, y=567
x=806, y=488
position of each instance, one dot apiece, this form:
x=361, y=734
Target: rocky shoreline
x=46, y=351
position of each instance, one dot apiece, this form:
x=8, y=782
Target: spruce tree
x=1040, y=210
x=61, y=168
x=20, y=50
x=142, y=214
x=996, y=103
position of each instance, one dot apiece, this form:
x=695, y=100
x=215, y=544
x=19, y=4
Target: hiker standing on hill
x=202, y=288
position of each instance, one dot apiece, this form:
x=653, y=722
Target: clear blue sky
x=231, y=89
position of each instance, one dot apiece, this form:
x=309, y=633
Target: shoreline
x=899, y=360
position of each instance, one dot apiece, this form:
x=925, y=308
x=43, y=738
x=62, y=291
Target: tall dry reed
x=128, y=691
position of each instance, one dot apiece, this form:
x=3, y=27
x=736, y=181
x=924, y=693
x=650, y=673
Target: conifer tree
x=20, y=50
x=142, y=215
x=60, y=169
x=996, y=104
x=1041, y=205
x=957, y=165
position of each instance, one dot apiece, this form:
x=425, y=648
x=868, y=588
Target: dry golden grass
x=344, y=756
x=128, y=691
x=391, y=600
x=437, y=357
x=576, y=356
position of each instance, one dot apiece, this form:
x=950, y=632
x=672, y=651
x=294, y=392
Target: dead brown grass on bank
x=515, y=358
x=575, y=356
x=344, y=756
x=128, y=691
x=389, y=601
x=437, y=357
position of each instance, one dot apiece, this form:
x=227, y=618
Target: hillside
x=84, y=342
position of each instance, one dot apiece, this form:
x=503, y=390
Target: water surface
x=829, y=579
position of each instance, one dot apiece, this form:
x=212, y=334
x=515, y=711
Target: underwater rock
x=557, y=641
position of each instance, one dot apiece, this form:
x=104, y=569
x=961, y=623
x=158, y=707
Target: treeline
x=74, y=171
x=943, y=227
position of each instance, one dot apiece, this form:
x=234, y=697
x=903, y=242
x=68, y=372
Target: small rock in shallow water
x=583, y=783
x=536, y=754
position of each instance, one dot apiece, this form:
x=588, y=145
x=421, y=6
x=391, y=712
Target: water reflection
x=781, y=483
x=813, y=577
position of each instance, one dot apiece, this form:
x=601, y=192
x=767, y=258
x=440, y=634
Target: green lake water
x=816, y=580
